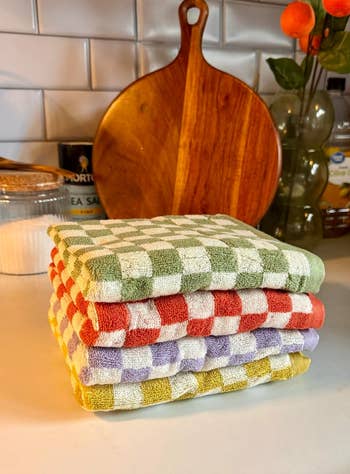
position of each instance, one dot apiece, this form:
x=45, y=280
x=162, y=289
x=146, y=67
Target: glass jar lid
x=28, y=181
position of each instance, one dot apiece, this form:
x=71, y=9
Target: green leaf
x=287, y=72
x=306, y=66
x=336, y=57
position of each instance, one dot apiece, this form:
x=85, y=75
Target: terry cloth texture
x=127, y=396
x=135, y=259
x=101, y=365
x=168, y=318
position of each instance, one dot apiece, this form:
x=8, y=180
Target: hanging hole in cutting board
x=193, y=15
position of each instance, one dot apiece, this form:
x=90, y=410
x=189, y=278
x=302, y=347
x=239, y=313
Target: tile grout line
x=36, y=16
x=88, y=63
x=138, y=10
x=59, y=89
x=222, y=25
x=137, y=62
x=48, y=140
x=67, y=35
x=43, y=111
x=256, y=83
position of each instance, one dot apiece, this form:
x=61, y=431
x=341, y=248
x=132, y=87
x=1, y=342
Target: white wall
x=63, y=61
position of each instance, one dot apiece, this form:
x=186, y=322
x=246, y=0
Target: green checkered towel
x=134, y=259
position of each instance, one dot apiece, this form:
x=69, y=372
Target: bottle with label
x=335, y=202
x=84, y=201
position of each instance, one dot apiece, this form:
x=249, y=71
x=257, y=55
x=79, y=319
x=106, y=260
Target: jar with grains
x=29, y=203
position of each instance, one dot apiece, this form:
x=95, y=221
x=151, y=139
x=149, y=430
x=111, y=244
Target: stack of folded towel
x=149, y=311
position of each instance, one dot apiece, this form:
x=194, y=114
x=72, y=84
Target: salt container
x=29, y=203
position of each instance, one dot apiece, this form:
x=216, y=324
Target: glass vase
x=294, y=215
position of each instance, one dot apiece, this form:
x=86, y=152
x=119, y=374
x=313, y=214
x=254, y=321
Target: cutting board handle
x=191, y=34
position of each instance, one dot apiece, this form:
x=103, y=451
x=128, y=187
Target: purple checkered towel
x=105, y=365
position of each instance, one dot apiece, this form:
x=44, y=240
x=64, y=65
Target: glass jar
x=29, y=203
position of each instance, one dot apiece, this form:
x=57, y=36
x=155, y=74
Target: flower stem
x=313, y=87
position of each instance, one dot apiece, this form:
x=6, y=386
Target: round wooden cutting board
x=187, y=139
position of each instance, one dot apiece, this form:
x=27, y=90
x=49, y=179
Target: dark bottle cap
x=336, y=84
x=77, y=157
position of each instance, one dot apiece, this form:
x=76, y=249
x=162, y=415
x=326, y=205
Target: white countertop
x=298, y=426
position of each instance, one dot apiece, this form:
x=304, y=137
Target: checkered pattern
x=135, y=259
x=128, y=396
x=173, y=317
x=101, y=365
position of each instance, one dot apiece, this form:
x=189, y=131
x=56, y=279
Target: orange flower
x=297, y=19
x=315, y=44
x=337, y=8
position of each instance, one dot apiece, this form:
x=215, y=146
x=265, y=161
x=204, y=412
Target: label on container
x=337, y=192
x=84, y=201
x=339, y=167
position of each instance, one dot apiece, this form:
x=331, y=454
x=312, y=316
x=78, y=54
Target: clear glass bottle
x=29, y=203
x=335, y=201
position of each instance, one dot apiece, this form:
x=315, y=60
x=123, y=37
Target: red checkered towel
x=167, y=318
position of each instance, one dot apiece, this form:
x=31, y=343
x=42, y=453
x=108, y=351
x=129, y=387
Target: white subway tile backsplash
x=159, y=21
x=62, y=61
x=17, y=16
x=153, y=57
x=31, y=152
x=254, y=25
x=75, y=114
x=21, y=115
x=241, y=64
x=102, y=18
x=33, y=61
x=112, y=64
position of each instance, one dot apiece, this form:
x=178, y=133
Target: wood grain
x=185, y=139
